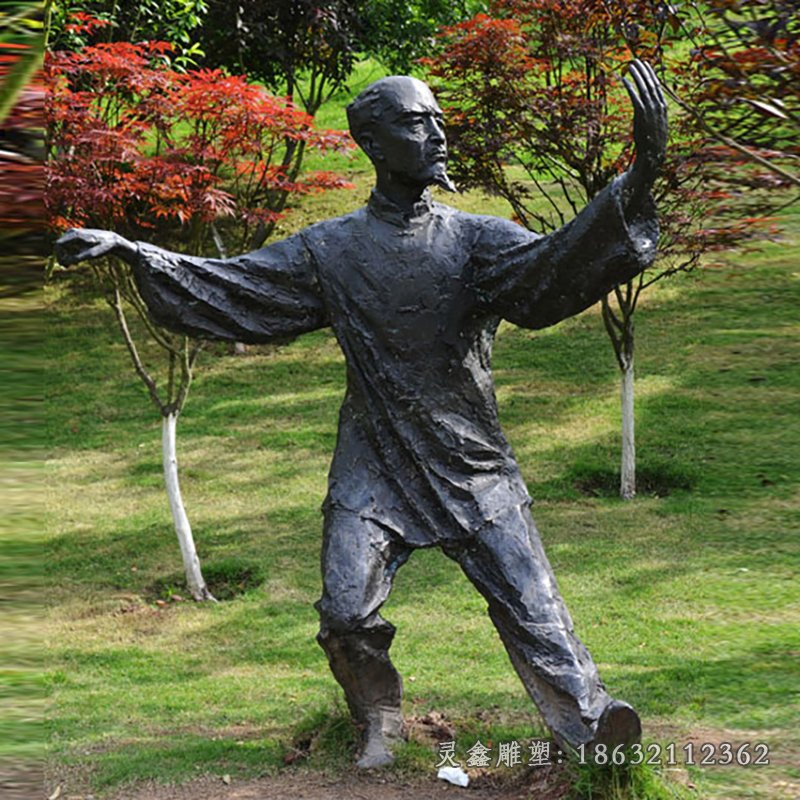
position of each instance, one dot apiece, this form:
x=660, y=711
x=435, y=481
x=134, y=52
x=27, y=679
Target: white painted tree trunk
x=627, y=486
x=191, y=563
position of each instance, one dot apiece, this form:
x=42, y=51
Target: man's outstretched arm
x=536, y=281
x=269, y=295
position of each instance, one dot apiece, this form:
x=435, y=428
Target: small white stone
x=454, y=775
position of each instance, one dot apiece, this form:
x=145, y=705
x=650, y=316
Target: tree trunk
x=191, y=563
x=627, y=484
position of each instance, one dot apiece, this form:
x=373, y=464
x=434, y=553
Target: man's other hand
x=84, y=244
x=649, y=129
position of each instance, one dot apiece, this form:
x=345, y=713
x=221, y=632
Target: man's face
x=409, y=136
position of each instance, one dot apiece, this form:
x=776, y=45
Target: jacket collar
x=384, y=209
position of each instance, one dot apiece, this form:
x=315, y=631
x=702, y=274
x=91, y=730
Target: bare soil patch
x=544, y=783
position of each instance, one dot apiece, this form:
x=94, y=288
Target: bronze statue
x=414, y=291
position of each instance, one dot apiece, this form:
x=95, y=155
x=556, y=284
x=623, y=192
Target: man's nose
x=436, y=131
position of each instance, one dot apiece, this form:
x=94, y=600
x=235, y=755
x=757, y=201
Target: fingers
x=649, y=127
x=642, y=78
x=637, y=103
x=650, y=112
x=96, y=251
x=68, y=256
x=85, y=235
x=78, y=245
x=648, y=85
x=70, y=236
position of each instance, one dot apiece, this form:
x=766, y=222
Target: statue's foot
x=383, y=730
x=618, y=725
x=375, y=758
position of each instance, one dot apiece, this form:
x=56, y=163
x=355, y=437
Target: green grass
x=688, y=598
x=22, y=683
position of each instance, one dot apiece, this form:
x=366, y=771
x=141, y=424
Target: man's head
x=398, y=124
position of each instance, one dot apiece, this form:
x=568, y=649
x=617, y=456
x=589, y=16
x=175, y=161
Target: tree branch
x=131, y=294
x=188, y=358
x=608, y=321
x=728, y=142
x=617, y=323
x=134, y=353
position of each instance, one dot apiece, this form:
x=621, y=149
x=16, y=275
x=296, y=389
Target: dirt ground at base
x=542, y=784
x=310, y=787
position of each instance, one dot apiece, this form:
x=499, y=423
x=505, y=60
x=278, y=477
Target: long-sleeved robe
x=414, y=300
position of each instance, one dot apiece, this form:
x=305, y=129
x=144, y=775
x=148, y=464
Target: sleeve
x=535, y=281
x=272, y=294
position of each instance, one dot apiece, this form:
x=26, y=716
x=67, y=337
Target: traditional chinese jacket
x=414, y=300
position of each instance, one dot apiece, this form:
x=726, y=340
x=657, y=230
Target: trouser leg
x=507, y=564
x=359, y=560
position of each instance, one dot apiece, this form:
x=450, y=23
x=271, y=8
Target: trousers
x=507, y=564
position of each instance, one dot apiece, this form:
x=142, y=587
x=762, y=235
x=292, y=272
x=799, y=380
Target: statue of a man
x=414, y=291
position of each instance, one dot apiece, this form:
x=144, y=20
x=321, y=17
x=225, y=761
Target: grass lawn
x=687, y=597
x=21, y=532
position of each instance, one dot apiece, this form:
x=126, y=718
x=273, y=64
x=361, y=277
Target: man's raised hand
x=649, y=129
x=84, y=244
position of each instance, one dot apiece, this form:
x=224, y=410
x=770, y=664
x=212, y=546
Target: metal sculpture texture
x=414, y=291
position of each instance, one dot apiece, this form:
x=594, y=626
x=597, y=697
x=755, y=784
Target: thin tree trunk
x=191, y=563
x=619, y=327
x=627, y=484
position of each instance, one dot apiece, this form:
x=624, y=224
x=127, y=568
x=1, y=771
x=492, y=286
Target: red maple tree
x=144, y=149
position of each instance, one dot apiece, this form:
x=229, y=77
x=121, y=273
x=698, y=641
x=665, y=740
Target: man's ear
x=368, y=144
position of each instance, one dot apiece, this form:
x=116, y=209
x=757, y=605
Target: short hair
x=363, y=111
x=367, y=108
